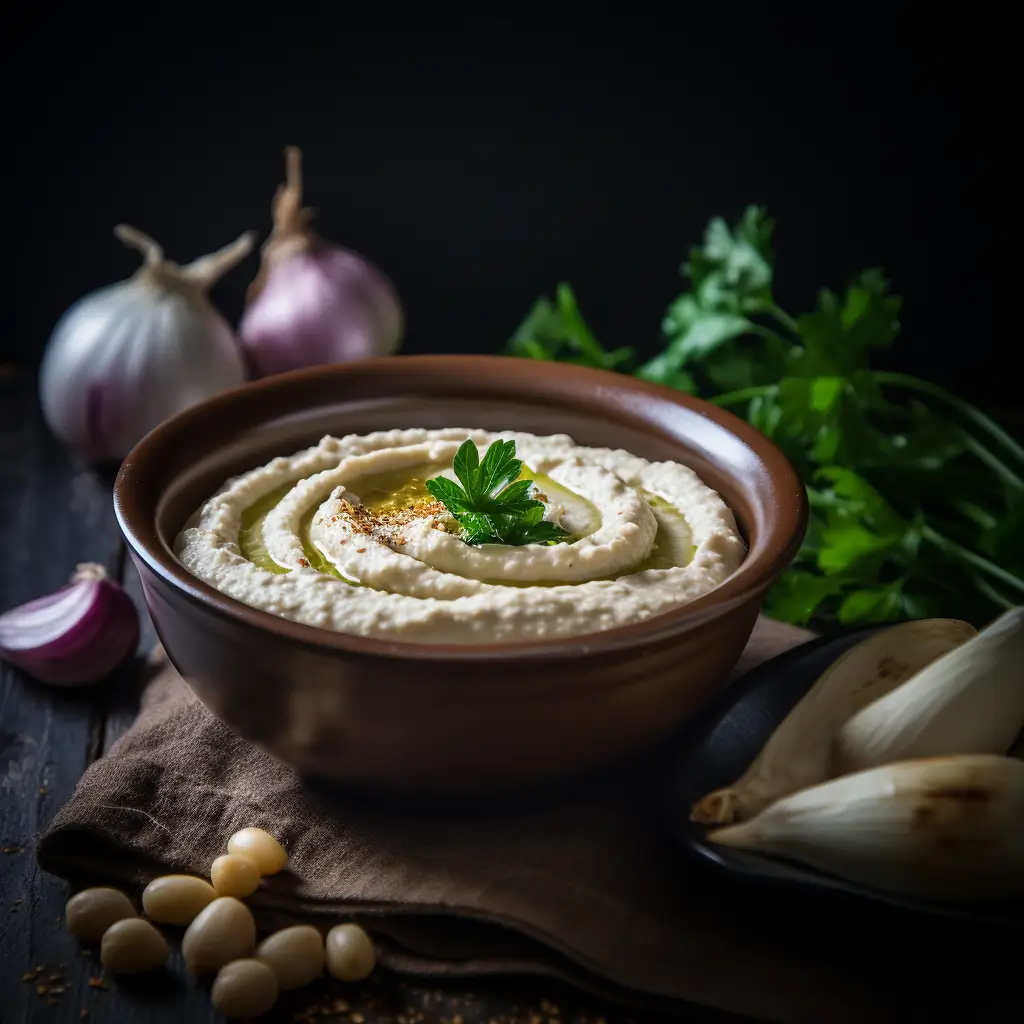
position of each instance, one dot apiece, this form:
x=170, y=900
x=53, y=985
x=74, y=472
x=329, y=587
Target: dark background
x=481, y=160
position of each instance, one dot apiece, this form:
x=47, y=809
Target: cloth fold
x=590, y=889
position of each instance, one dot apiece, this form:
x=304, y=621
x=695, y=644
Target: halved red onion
x=75, y=636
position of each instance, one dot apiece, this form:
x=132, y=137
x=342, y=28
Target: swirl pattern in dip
x=345, y=536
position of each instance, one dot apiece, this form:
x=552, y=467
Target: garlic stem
x=939, y=828
x=205, y=271
x=290, y=233
x=152, y=252
x=288, y=200
x=798, y=753
x=289, y=216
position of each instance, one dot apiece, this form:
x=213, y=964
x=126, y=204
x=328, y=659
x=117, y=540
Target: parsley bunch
x=917, y=497
x=493, y=506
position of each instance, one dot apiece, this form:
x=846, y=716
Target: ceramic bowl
x=441, y=721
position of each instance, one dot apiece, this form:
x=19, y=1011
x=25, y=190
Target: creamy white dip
x=343, y=536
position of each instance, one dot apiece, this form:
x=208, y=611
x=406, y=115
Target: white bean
x=223, y=932
x=295, y=955
x=177, y=899
x=131, y=946
x=350, y=953
x=91, y=912
x=244, y=988
x=260, y=847
x=234, y=876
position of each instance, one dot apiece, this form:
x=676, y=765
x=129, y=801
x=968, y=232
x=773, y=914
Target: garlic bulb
x=314, y=302
x=126, y=357
x=798, y=753
x=938, y=828
x=970, y=701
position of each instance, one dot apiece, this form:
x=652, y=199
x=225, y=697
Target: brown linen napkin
x=590, y=890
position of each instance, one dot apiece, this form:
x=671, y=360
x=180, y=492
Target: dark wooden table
x=55, y=513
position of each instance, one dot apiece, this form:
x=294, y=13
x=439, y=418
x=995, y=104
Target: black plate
x=726, y=739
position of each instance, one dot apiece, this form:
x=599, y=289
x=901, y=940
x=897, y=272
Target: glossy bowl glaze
x=414, y=720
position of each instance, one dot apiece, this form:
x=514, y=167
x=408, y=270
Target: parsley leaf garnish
x=555, y=331
x=917, y=497
x=493, y=506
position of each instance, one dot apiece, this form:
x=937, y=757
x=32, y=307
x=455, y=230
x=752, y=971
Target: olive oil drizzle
x=387, y=492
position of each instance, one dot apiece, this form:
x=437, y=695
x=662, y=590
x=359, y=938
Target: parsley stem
x=968, y=411
x=744, y=395
x=986, y=588
x=783, y=318
x=966, y=555
x=769, y=335
x=976, y=448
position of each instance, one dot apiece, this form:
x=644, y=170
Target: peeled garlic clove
x=223, y=932
x=132, y=946
x=350, y=953
x=970, y=701
x=91, y=912
x=295, y=955
x=944, y=828
x=177, y=899
x=244, y=988
x=798, y=753
x=234, y=876
x=260, y=847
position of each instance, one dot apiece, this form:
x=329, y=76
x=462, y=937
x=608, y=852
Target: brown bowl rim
x=759, y=570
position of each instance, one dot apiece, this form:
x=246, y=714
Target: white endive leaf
x=799, y=752
x=940, y=828
x=970, y=701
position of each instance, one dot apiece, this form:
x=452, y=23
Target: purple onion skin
x=320, y=305
x=91, y=646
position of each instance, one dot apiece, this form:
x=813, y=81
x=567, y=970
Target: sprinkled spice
x=386, y=526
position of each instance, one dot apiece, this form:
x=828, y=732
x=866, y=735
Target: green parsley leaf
x=453, y=497
x=877, y=604
x=799, y=594
x=734, y=267
x=493, y=506
x=467, y=464
x=498, y=469
x=839, y=337
x=705, y=334
x=557, y=331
